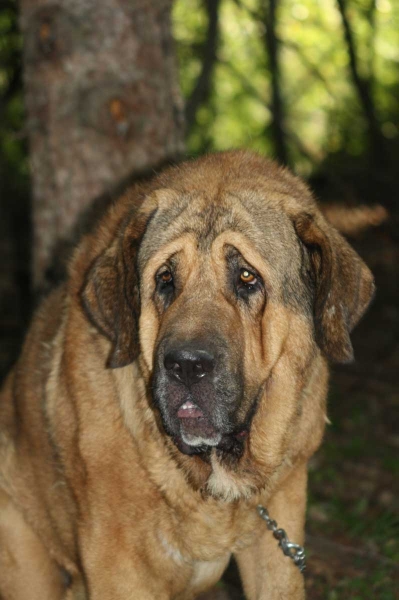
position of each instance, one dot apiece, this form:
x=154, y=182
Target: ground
x=353, y=514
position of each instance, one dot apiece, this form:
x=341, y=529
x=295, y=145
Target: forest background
x=314, y=84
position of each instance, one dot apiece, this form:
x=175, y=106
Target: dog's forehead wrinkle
x=163, y=223
x=206, y=217
x=204, y=225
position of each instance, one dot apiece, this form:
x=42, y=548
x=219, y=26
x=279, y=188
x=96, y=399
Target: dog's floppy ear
x=343, y=285
x=111, y=296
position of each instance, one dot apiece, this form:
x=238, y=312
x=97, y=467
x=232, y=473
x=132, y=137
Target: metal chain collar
x=294, y=551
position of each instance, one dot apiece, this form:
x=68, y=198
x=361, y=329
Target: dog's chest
x=209, y=535
x=198, y=575
x=206, y=574
x=201, y=547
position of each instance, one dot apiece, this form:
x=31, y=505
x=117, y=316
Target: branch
x=246, y=84
x=312, y=68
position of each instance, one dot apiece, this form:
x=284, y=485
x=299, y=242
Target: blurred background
x=98, y=93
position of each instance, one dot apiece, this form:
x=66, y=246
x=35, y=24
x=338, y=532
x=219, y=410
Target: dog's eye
x=247, y=283
x=166, y=277
x=247, y=277
x=164, y=286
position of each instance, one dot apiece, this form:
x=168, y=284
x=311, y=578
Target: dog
x=173, y=383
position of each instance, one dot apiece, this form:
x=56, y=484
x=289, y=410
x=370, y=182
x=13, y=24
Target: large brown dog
x=176, y=381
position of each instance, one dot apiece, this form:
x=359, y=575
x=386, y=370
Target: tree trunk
x=277, y=105
x=202, y=88
x=363, y=88
x=102, y=103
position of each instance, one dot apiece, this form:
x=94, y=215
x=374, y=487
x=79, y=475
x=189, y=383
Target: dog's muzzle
x=196, y=394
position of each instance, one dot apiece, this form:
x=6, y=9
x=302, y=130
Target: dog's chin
x=202, y=451
x=228, y=447
x=196, y=440
x=201, y=438
x=198, y=431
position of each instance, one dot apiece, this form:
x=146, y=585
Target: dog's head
x=225, y=269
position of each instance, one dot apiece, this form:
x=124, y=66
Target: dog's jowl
x=173, y=383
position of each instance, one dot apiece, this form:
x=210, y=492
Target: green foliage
x=323, y=115
x=376, y=584
x=324, y=121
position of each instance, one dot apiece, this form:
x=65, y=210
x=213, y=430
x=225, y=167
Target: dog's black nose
x=189, y=365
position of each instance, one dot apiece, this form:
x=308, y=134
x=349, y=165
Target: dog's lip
x=189, y=410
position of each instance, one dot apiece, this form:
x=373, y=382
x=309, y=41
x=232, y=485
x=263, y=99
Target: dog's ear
x=111, y=294
x=342, y=285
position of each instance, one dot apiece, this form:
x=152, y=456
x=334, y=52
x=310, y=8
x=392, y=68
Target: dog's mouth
x=197, y=435
x=189, y=410
x=196, y=430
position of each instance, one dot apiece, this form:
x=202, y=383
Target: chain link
x=293, y=551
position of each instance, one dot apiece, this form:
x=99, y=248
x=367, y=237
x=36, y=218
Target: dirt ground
x=353, y=514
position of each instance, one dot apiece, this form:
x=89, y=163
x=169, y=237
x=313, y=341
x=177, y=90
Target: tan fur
x=90, y=484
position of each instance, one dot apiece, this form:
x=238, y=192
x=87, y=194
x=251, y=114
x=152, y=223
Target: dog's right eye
x=164, y=288
x=164, y=279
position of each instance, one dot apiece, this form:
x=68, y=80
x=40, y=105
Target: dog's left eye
x=247, y=277
x=247, y=283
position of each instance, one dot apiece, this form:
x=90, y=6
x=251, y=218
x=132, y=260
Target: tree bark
x=102, y=103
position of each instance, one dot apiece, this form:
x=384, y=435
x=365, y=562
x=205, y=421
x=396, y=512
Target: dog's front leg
x=265, y=572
